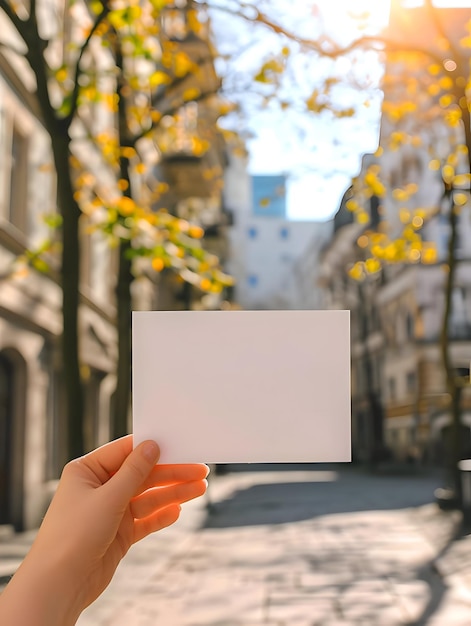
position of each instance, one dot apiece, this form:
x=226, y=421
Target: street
x=322, y=547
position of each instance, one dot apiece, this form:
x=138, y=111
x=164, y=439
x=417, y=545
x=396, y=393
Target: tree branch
x=77, y=73
x=377, y=43
x=17, y=22
x=170, y=111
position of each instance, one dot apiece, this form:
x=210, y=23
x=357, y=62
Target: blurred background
x=185, y=155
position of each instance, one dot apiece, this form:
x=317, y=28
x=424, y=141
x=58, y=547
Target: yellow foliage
x=159, y=78
x=127, y=152
x=123, y=184
x=465, y=42
x=453, y=117
x=434, y=165
x=372, y=266
x=363, y=241
x=61, y=74
x=191, y=94
x=404, y=216
x=140, y=168
x=400, y=194
x=434, y=69
x=460, y=199
x=182, y=64
x=357, y=271
x=417, y=221
x=352, y=205
x=362, y=217
x=196, y=232
x=125, y=206
x=429, y=254
x=446, y=82
x=446, y=100
x=158, y=264
x=205, y=284
x=377, y=251
x=414, y=255
x=448, y=173
x=461, y=179
x=373, y=183
x=434, y=89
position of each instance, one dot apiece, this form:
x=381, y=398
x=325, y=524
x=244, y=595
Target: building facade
x=32, y=409
x=397, y=314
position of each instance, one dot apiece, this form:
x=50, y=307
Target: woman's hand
x=106, y=501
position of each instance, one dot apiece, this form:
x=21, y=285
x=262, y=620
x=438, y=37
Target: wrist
x=41, y=593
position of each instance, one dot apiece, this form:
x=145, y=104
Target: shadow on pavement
x=282, y=502
x=275, y=503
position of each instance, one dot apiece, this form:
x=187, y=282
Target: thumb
x=134, y=471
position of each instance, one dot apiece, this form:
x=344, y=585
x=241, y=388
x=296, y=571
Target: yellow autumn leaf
x=448, y=173
x=453, y=117
x=460, y=199
x=461, y=179
x=61, y=74
x=159, y=78
x=446, y=100
x=400, y=194
x=127, y=152
x=404, y=215
x=362, y=217
x=158, y=264
x=125, y=205
x=372, y=266
x=140, y=168
x=196, y=232
x=182, y=64
x=465, y=42
x=434, y=69
x=445, y=82
x=429, y=254
x=357, y=272
x=191, y=94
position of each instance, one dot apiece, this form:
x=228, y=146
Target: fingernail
x=150, y=451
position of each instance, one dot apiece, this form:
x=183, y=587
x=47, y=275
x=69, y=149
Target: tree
x=104, y=55
x=429, y=101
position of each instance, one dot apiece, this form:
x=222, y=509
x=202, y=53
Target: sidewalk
x=293, y=549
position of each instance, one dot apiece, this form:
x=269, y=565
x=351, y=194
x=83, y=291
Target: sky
x=319, y=154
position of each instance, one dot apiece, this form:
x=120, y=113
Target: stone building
x=32, y=434
x=397, y=314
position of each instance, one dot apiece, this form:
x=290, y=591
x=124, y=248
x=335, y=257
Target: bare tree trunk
x=453, y=384
x=123, y=286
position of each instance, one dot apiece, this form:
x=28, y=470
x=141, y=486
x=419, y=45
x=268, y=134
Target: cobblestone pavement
x=323, y=547
x=299, y=548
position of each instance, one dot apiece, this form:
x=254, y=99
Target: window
x=409, y=326
x=392, y=388
x=411, y=380
x=18, y=179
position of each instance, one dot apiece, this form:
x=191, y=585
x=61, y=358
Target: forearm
x=40, y=594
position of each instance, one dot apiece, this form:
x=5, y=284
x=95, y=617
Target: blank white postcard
x=243, y=386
